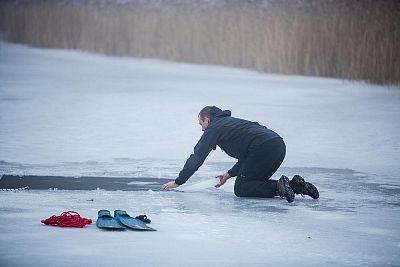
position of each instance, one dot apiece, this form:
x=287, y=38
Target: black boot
x=283, y=189
x=302, y=187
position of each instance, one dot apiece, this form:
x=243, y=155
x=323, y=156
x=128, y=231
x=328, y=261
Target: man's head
x=204, y=117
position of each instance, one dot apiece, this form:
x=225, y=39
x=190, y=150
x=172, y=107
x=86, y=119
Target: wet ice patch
x=359, y=174
x=375, y=231
x=389, y=186
x=326, y=215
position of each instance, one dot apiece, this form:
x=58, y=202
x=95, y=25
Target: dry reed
x=355, y=40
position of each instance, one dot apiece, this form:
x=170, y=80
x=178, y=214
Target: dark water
x=345, y=188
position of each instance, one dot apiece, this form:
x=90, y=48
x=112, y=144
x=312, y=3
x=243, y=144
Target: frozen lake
x=65, y=113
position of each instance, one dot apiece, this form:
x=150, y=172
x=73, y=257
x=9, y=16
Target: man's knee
x=237, y=193
x=237, y=190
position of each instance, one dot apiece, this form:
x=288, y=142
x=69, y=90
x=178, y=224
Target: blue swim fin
x=107, y=222
x=132, y=223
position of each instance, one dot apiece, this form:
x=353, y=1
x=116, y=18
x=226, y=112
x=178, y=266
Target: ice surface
x=62, y=107
x=354, y=223
x=77, y=114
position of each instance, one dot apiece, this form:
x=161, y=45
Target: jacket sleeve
x=207, y=142
x=235, y=169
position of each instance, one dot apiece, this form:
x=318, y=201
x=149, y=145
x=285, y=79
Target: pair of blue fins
x=120, y=221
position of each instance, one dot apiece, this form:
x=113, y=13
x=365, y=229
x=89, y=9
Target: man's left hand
x=222, y=179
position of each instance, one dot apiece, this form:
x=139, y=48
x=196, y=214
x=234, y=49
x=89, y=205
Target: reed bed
x=348, y=39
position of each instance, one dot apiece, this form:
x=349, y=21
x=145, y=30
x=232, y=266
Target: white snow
x=73, y=113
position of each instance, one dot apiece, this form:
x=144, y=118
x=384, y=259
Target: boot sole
x=289, y=193
x=312, y=191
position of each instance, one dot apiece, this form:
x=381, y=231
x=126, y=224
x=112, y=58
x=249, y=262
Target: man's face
x=204, y=123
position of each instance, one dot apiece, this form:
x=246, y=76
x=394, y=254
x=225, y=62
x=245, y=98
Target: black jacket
x=237, y=137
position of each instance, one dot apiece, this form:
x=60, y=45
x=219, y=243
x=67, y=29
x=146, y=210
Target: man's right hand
x=169, y=185
x=222, y=179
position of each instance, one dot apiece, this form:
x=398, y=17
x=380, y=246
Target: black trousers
x=256, y=169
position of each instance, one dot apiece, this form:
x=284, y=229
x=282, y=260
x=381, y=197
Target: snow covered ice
x=77, y=114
